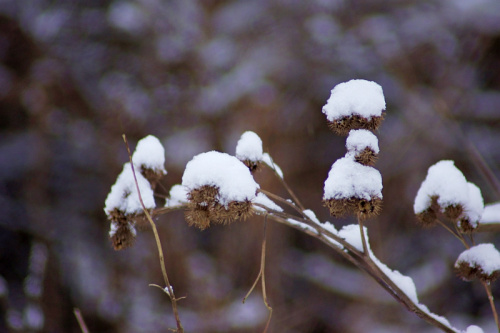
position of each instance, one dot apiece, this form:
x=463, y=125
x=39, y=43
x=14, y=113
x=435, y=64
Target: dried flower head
x=356, y=104
x=366, y=157
x=249, y=150
x=343, y=125
x=122, y=235
x=340, y=207
x=479, y=262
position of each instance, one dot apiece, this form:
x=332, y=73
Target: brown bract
x=343, y=125
x=469, y=272
x=366, y=157
x=363, y=208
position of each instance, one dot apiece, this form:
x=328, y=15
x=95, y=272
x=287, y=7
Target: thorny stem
x=487, y=287
x=80, y=320
x=171, y=294
x=261, y=276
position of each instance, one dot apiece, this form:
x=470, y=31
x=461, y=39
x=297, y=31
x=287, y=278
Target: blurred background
x=75, y=75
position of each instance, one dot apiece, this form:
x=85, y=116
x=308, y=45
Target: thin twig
x=487, y=287
x=363, y=239
x=80, y=320
x=288, y=189
x=171, y=294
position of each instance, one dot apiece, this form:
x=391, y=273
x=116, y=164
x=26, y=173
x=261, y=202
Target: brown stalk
x=170, y=293
x=80, y=320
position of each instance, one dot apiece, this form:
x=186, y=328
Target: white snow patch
x=302, y=225
x=491, y=213
x=249, y=147
x=178, y=196
x=360, y=139
x=226, y=172
x=356, y=97
x=266, y=158
x=124, y=195
x=473, y=329
x=348, y=179
x=150, y=154
x=113, y=229
x=484, y=256
x=447, y=182
x=310, y=214
x=263, y=200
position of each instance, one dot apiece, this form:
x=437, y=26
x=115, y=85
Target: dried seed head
x=197, y=217
x=235, y=210
x=203, y=196
x=466, y=226
x=153, y=176
x=369, y=208
x=253, y=166
x=469, y=272
x=340, y=207
x=343, y=125
x=122, y=236
x=453, y=212
x=481, y=261
x=427, y=218
x=366, y=157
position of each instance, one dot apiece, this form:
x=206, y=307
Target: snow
x=348, y=179
x=352, y=235
x=249, y=147
x=484, y=256
x=358, y=140
x=301, y=225
x=177, y=196
x=310, y=214
x=474, y=329
x=226, y=172
x=443, y=180
x=113, y=229
x=266, y=158
x=150, y=154
x=491, y=213
x=356, y=97
x=124, y=196
x=474, y=207
x=263, y=200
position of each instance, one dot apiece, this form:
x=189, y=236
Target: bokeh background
x=76, y=74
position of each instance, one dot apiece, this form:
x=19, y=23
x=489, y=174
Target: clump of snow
x=474, y=207
x=310, y=214
x=352, y=235
x=302, y=225
x=473, y=329
x=263, y=200
x=356, y=97
x=348, y=179
x=266, y=158
x=491, y=213
x=445, y=181
x=177, y=196
x=484, y=256
x=225, y=172
x=124, y=195
x=249, y=147
x=360, y=139
x=150, y=154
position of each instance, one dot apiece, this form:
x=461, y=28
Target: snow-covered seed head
x=363, y=208
x=363, y=144
x=479, y=262
x=249, y=150
x=357, y=104
x=220, y=188
x=149, y=157
x=122, y=235
x=339, y=207
x=454, y=211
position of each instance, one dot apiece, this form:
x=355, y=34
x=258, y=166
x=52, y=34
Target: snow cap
x=355, y=104
x=150, y=154
x=481, y=261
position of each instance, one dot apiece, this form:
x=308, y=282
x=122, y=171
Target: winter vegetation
x=218, y=188
x=343, y=166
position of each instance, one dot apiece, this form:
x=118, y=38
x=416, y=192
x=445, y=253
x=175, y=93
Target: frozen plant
x=218, y=188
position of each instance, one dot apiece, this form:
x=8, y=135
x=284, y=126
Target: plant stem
x=171, y=294
x=487, y=287
x=80, y=320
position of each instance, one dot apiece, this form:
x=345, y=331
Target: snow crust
x=249, y=147
x=348, y=179
x=262, y=199
x=226, y=172
x=485, y=256
x=491, y=213
x=150, y=154
x=447, y=182
x=266, y=158
x=177, y=196
x=356, y=97
x=359, y=139
x=124, y=195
